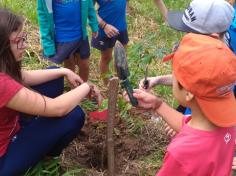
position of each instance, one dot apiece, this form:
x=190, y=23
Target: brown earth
x=89, y=149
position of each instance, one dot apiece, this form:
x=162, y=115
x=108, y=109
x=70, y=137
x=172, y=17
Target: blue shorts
x=66, y=49
x=103, y=42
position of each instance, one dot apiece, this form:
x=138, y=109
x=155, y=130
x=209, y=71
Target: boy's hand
x=151, y=83
x=145, y=100
x=158, y=80
x=170, y=132
x=111, y=31
x=94, y=34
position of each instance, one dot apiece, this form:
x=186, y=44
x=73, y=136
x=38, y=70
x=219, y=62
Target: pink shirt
x=9, y=124
x=199, y=153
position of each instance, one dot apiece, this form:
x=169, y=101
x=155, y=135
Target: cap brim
x=175, y=21
x=220, y=111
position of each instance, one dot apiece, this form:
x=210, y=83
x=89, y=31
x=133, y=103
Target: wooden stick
x=112, y=99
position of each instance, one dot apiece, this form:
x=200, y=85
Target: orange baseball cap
x=206, y=67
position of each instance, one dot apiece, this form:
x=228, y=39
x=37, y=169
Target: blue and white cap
x=203, y=17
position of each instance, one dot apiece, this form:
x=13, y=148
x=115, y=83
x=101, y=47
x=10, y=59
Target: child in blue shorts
x=63, y=32
x=112, y=27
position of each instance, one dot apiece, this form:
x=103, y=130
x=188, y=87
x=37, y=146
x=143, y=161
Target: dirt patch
x=89, y=149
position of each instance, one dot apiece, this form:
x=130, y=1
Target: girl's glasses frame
x=20, y=41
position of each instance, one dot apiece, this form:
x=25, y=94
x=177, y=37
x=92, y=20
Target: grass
x=23, y=7
x=150, y=40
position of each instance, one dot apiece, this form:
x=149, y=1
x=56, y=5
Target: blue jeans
x=41, y=136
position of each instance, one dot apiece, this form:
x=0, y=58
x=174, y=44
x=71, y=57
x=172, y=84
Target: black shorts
x=66, y=49
x=104, y=42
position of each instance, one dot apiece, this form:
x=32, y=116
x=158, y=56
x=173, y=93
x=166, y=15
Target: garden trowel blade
x=121, y=61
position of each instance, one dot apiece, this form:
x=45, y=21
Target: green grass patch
x=26, y=8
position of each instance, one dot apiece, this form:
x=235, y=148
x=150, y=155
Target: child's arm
x=158, y=80
x=161, y=6
x=172, y=117
x=36, y=77
x=109, y=30
x=93, y=21
x=149, y=101
x=31, y=102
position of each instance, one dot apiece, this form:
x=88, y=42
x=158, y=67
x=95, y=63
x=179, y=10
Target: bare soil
x=89, y=149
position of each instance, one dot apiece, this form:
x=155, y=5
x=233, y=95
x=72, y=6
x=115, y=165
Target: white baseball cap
x=203, y=16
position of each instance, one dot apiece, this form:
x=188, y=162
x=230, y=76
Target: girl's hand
x=98, y=95
x=95, y=92
x=73, y=78
x=146, y=100
x=111, y=31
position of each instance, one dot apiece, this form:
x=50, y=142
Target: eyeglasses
x=20, y=41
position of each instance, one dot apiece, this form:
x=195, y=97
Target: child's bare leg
x=70, y=63
x=83, y=65
x=106, y=57
x=161, y=6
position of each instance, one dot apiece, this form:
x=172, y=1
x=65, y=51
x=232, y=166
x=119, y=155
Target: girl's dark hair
x=9, y=23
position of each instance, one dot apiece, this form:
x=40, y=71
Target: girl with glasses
x=36, y=118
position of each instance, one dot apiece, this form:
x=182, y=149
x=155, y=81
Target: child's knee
x=106, y=55
x=106, y=59
x=76, y=118
x=84, y=64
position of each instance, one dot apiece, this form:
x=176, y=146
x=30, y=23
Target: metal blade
x=121, y=61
